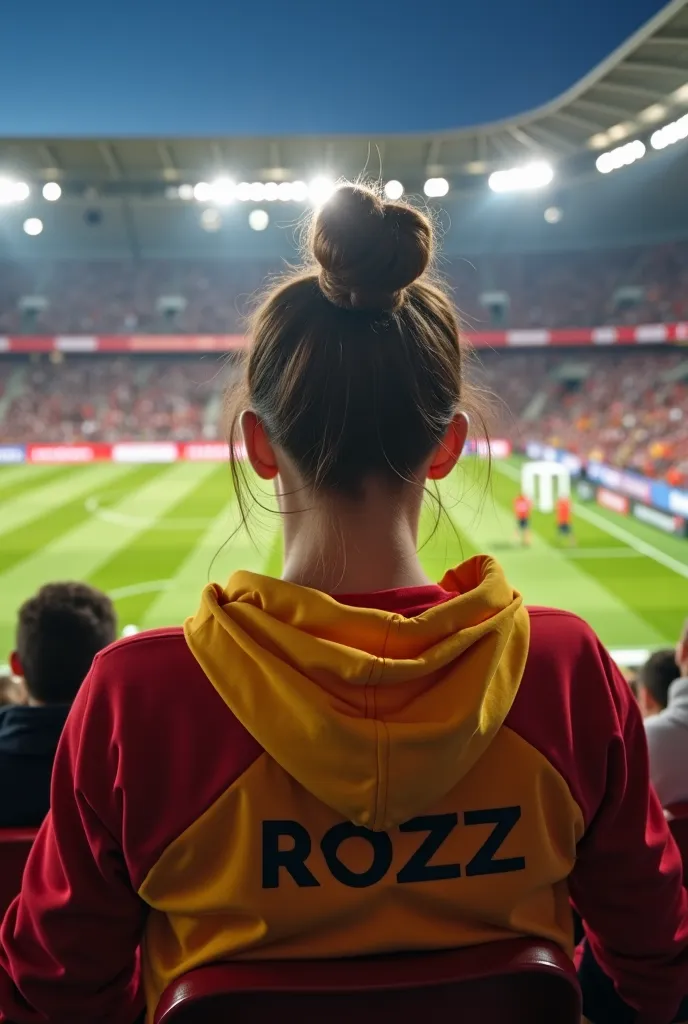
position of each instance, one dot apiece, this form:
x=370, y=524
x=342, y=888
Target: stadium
x=525, y=445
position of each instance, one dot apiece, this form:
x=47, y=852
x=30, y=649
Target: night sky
x=140, y=67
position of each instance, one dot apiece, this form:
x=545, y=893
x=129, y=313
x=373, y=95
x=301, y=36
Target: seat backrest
x=677, y=817
x=520, y=981
x=15, y=844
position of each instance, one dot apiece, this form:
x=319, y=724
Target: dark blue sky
x=204, y=67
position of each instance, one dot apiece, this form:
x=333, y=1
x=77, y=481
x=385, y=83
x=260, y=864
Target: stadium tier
x=558, y=291
x=627, y=408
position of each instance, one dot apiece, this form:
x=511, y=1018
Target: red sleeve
x=627, y=881
x=575, y=707
x=148, y=746
x=68, y=946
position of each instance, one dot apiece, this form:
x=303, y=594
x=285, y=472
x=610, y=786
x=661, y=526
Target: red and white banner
x=166, y=451
x=132, y=452
x=643, y=334
x=613, y=501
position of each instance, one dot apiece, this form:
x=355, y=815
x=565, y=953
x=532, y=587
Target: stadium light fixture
x=185, y=192
x=435, y=188
x=670, y=133
x=622, y=156
x=620, y=131
x=394, y=189
x=655, y=112
x=13, y=191
x=299, y=191
x=522, y=179
x=33, y=226
x=598, y=141
x=222, y=191
x=271, y=191
x=51, y=191
x=320, y=190
x=258, y=220
x=681, y=95
x=202, y=192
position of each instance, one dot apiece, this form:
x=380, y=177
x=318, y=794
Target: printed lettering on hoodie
x=287, y=846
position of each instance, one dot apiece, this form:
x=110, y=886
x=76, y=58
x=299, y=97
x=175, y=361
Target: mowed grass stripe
x=443, y=544
x=71, y=485
x=76, y=554
x=158, y=552
x=650, y=590
x=60, y=516
x=220, y=551
x=17, y=480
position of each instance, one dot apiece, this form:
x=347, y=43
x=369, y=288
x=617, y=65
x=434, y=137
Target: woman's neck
x=354, y=550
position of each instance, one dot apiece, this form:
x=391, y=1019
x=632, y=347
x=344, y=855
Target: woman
x=351, y=759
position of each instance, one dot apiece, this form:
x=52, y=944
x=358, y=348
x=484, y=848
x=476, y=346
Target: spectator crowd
x=110, y=399
x=625, y=407
x=553, y=290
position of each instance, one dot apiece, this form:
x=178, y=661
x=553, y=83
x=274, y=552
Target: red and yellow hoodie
x=294, y=776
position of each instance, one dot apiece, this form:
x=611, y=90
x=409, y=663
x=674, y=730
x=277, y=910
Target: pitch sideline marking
x=641, y=546
x=134, y=589
x=624, y=552
x=94, y=508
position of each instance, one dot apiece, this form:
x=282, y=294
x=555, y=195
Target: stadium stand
x=580, y=289
x=627, y=408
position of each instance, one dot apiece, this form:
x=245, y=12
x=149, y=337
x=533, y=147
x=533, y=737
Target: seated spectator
x=59, y=632
x=667, y=725
x=350, y=759
x=655, y=678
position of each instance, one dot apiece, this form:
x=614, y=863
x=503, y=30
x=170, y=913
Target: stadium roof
x=640, y=86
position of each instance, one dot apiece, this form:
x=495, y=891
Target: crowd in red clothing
x=108, y=400
x=551, y=290
x=626, y=407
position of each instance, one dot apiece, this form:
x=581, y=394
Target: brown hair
x=355, y=367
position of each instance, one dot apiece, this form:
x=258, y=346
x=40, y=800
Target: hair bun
x=369, y=250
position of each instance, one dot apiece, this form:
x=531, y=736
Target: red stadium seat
x=519, y=981
x=677, y=817
x=15, y=844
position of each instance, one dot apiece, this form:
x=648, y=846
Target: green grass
x=152, y=536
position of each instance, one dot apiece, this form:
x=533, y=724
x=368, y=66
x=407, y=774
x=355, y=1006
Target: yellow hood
x=376, y=715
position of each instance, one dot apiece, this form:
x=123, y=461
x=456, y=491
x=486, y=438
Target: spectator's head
x=59, y=632
x=656, y=676
x=355, y=373
x=682, y=651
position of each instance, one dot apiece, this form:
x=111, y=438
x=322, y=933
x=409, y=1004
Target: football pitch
x=152, y=536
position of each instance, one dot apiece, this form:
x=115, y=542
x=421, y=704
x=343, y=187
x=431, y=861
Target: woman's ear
x=258, y=448
x=448, y=451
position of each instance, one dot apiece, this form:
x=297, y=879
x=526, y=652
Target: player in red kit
x=564, y=511
x=522, y=507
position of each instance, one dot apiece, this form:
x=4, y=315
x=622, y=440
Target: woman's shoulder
x=567, y=660
x=572, y=701
x=151, y=659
